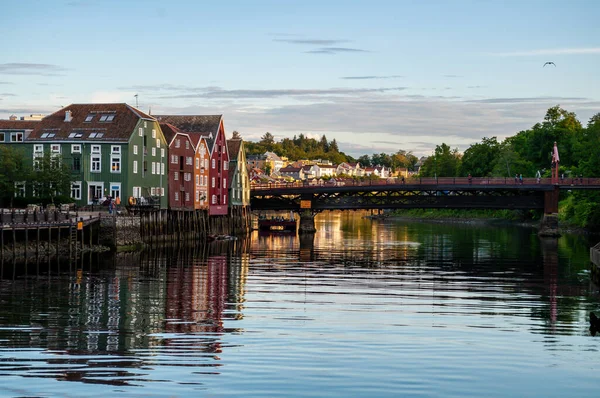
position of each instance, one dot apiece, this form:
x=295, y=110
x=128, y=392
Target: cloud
x=275, y=93
x=316, y=42
x=520, y=100
x=31, y=69
x=8, y=95
x=1, y=83
x=556, y=51
x=371, y=77
x=452, y=76
x=336, y=50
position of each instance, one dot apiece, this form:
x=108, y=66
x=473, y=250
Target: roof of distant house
x=233, y=146
x=205, y=125
x=18, y=124
x=95, y=122
x=290, y=169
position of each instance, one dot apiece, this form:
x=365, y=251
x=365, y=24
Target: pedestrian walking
x=521, y=179
x=470, y=178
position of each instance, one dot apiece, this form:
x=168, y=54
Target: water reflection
x=361, y=308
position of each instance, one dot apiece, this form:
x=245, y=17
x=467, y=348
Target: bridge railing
x=429, y=181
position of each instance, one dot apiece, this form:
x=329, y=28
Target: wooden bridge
x=433, y=193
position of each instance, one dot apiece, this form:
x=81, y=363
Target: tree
x=267, y=141
x=480, y=158
x=444, y=163
x=12, y=171
x=364, y=160
x=50, y=178
x=235, y=135
x=333, y=146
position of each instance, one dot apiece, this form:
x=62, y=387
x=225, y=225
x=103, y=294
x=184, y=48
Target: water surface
x=365, y=308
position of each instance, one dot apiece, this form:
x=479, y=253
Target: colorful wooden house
x=212, y=129
x=182, y=154
x=239, y=182
x=112, y=149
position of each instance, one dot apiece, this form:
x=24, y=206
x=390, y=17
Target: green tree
x=480, y=158
x=50, y=177
x=445, y=162
x=12, y=171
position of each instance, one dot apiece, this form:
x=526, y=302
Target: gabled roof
x=18, y=124
x=204, y=125
x=290, y=169
x=119, y=128
x=233, y=146
x=169, y=131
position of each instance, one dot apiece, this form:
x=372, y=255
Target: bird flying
x=549, y=63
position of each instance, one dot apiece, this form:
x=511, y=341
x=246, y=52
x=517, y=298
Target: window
x=75, y=135
x=223, y=148
x=107, y=118
x=75, y=148
x=176, y=196
x=177, y=143
x=140, y=131
x=162, y=152
x=76, y=190
x=213, y=163
x=153, y=191
x=88, y=119
x=16, y=137
x=153, y=151
x=38, y=149
x=157, y=143
x=116, y=149
x=145, y=124
x=225, y=165
x=96, y=164
x=76, y=163
x=55, y=148
x=214, y=199
x=115, y=164
x=153, y=168
x=206, y=163
x=162, y=169
x=224, y=182
x=197, y=180
x=135, y=167
x=153, y=133
x=213, y=182
x=197, y=196
x=197, y=163
x=174, y=159
x=1, y=137
x=187, y=176
x=187, y=197
x=176, y=176
x=162, y=191
x=19, y=189
x=189, y=161
x=96, y=149
x=95, y=135
x=187, y=144
x=224, y=199
x=135, y=149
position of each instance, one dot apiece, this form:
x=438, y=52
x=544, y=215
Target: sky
x=377, y=76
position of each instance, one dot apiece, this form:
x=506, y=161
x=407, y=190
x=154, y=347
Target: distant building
x=296, y=173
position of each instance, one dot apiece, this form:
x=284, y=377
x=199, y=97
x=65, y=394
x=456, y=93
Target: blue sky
x=378, y=76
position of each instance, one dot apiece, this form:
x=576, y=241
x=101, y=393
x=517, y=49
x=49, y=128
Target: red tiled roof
x=120, y=128
x=18, y=124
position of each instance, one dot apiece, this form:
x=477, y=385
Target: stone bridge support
x=307, y=222
x=549, y=223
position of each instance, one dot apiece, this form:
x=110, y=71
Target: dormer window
x=89, y=117
x=96, y=135
x=107, y=118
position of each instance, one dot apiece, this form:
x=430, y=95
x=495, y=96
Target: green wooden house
x=112, y=150
x=239, y=182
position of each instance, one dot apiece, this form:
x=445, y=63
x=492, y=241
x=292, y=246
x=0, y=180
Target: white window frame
x=187, y=196
x=153, y=168
x=176, y=176
x=158, y=142
x=76, y=148
x=153, y=151
x=135, y=149
x=76, y=185
x=96, y=149
x=197, y=179
x=177, y=196
x=162, y=152
x=162, y=169
x=115, y=149
x=95, y=165
x=177, y=143
x=189, y=160
x=140, y=131
x=38, y=149
x=197, y=163
x=213, y=163
x=213, y=182
x=135, y=167
x=16, y=137
x=153, y=133
x=116, y=158
x=225, y=165
x=55, y=148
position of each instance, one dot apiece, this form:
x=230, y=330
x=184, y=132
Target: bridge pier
x=307, y=222
x=549, y=225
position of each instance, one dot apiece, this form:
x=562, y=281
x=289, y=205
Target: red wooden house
x=181, y=167
x=213, y=130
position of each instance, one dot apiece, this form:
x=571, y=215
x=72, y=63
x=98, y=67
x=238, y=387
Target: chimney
x=68, y=116
x=12, y=117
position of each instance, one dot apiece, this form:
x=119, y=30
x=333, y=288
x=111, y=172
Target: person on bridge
x=470, y=178
x=521, y=179
x=538, y=175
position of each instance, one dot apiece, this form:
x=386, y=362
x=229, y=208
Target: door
x=115, y=189
x=95, y=190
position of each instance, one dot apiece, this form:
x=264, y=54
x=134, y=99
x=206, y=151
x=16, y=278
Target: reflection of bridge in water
x=432, y=193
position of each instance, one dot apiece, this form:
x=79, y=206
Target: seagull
x=549, y=63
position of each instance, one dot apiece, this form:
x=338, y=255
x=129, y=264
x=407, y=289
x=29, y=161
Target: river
x=364, y=309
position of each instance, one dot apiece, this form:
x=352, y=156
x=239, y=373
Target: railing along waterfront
x=429, y=181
